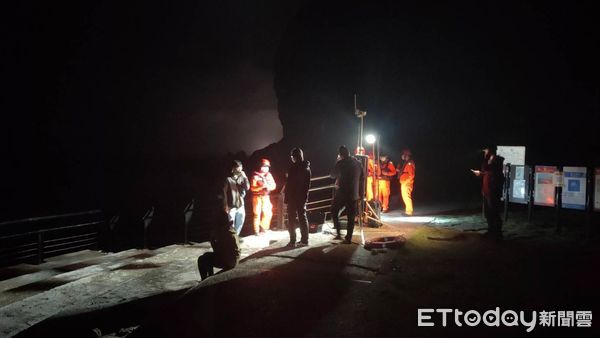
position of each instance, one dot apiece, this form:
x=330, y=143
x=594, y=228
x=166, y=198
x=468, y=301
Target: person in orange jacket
x=387, y=171
x=406, y=172
x=262, y=184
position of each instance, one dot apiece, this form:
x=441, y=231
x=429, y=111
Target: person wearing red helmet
x=262, y=184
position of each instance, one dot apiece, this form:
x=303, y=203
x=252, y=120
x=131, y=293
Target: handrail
x=44, y=218
x=331, y=186
x=71, y=237
x=51, y=240
x=35, y=232
x=320, y=201
x=320, y=178
x=319, y=208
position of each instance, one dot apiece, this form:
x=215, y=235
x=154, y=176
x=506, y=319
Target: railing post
x=147, y=219
x=40, y=247
x=188, y=212
x=281, y=212
x=111, y=239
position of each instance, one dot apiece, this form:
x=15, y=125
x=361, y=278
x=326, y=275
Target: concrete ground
x=326, y=289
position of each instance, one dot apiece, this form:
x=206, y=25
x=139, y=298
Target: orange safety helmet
x=265, y=163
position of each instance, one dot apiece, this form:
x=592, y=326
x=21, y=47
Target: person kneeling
x=226, y=248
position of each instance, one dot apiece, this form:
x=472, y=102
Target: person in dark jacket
x=491, y=189
x=234, y=191
x=226, y=248
x=349, y=188
x=296, y=196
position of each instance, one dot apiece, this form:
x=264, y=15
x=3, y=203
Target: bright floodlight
x=370, y=138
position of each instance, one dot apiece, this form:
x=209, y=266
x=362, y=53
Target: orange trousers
x=263, y=212
x=406, y=191
x=369, y=188
x=384, y=194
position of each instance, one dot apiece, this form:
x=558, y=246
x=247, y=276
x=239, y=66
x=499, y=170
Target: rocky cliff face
x=441, y=79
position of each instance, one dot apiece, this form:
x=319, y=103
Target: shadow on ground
x=276, y=302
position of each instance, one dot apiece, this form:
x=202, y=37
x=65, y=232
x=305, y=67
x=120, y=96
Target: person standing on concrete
x=296, y=196
x=407, y=180
x=234, y=191
x=226, y=248
x=262, y=184
x=387, y=173
x=491, y=189
x=349, y=188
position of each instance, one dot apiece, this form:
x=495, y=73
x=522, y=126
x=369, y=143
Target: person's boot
x=203, y=274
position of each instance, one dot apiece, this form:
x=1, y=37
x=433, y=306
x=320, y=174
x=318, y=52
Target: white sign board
x=520, y=184
x=597, y=191
x=544, y=185
x=514, y=155
x=574, y=187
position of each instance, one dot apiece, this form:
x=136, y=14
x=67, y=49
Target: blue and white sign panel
x=574, y=187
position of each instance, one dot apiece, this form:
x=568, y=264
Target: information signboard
x=514, y=155
x=574, y=187
x=519, y=185
x=544, y=185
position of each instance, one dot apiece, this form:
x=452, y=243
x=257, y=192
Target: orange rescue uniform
x=407, y=182
x=262, y=185
x=370, y=175
x=388, y=171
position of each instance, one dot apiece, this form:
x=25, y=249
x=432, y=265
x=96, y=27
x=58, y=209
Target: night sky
x=115, y=98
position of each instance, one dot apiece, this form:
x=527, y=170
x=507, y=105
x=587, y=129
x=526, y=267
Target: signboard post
x=558, y=187
x=530, y=184
x=506, y=193
x=597, y=190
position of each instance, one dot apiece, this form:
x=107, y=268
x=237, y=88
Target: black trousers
x=338, y=203
x=206, y=264
x=491, y=209
x=297, y=211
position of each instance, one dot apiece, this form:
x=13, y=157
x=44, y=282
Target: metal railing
x=34, y=239
x=36, y=244
x=320, y=204
x=319, y=198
